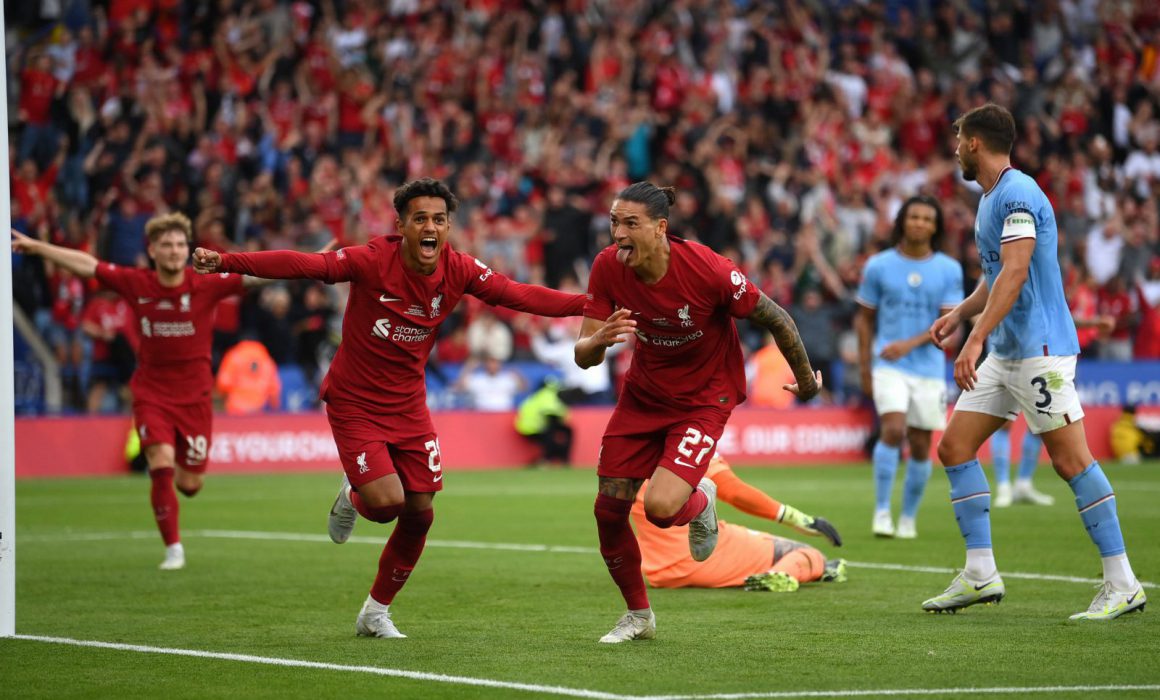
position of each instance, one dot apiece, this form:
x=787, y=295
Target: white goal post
x=7, y=369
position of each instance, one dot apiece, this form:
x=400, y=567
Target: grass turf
x=87, y=557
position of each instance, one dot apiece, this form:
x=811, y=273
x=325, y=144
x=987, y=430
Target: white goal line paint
x=502, y=546
x=895, y=692
x=570, y=692
x=319, y=665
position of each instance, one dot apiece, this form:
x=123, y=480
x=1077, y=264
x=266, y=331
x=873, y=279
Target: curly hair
x=900, y=221
x=423, y=187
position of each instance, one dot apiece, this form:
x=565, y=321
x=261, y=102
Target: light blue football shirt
x=1039, y=324
x=909, y=294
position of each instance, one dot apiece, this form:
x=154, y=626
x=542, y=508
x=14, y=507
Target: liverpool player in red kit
x=687, y=374
x=402, y=288
x=172, y=403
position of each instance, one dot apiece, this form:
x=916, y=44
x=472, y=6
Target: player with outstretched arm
x=402, y=289
x=172, y=385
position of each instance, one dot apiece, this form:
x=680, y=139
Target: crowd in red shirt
x=281, y=123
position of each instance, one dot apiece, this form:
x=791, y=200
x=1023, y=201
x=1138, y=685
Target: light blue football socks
x=885, y=463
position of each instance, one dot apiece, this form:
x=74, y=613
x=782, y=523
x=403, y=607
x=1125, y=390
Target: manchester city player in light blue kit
x=904, y=289
x=1031, y=368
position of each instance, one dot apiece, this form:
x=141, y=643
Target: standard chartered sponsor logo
x=665, y=341
x=410, y=334
x=400, y=334
x=167, y=329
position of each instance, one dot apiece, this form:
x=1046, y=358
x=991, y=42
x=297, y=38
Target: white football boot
x=634, y=624
x=174, y=558
x=703, y=528
x=342, y=514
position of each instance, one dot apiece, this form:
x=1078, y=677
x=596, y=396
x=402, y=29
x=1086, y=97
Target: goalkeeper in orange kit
x=759, y=561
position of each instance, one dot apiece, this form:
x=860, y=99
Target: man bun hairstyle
x=991, y=124
x=165, y=223
x=423, y=187
x=656, y=200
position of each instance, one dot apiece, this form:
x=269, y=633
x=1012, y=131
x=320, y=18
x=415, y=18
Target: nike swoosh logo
x=1133, y=597
x=979, y=588
x=384, y=298
x=437, y=478
x=683, y=464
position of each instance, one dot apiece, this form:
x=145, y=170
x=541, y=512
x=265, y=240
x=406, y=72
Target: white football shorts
x=1042, y=388
x=922, y=399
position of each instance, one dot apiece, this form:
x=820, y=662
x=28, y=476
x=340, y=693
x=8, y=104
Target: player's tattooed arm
x=777, y=321
x=617, y=487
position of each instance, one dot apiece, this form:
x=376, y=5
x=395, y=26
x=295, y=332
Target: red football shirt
x=687, y=353
x=393, y=315
x=175, y=329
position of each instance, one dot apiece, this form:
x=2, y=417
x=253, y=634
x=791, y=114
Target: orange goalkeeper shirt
x=665, y=558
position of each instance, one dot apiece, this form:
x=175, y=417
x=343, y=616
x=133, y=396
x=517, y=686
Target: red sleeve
x=116, y=278
x=536, y=300
x=600, y=305
x=335, y=266
x=741, y=294
x=496, y=289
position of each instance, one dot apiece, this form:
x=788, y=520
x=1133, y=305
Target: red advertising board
x=469, y=440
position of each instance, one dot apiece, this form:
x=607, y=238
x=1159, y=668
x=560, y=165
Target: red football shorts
x=372, y=446
x=639, y=438
x=188, y=427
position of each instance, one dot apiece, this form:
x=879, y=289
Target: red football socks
x=620, y=549
x=164, y=500
x=401, y=554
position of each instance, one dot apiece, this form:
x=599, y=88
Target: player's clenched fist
x=206, y=261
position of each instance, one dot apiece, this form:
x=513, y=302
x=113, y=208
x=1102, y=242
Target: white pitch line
x=572, y=692
x=1005, y=574
x=894, y=692
x=318, y=665
x=501, y=546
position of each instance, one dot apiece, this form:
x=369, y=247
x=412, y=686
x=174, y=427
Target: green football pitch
x=511, y=596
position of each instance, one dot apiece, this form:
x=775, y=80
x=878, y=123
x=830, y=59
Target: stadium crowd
x=792, y=130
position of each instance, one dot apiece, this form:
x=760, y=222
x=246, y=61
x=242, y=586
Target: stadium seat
x=298, y=393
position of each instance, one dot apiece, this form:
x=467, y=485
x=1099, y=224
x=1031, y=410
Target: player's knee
x=919, y=447
x=952, y=451
x=1068, y=469
x=376, y=496
x=663, y=522
x=891, y=434
x=382, y=514
x=661, y=511
x=189, y=488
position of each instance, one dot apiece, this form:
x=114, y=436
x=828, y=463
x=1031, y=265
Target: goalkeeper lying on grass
x=759, y=561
